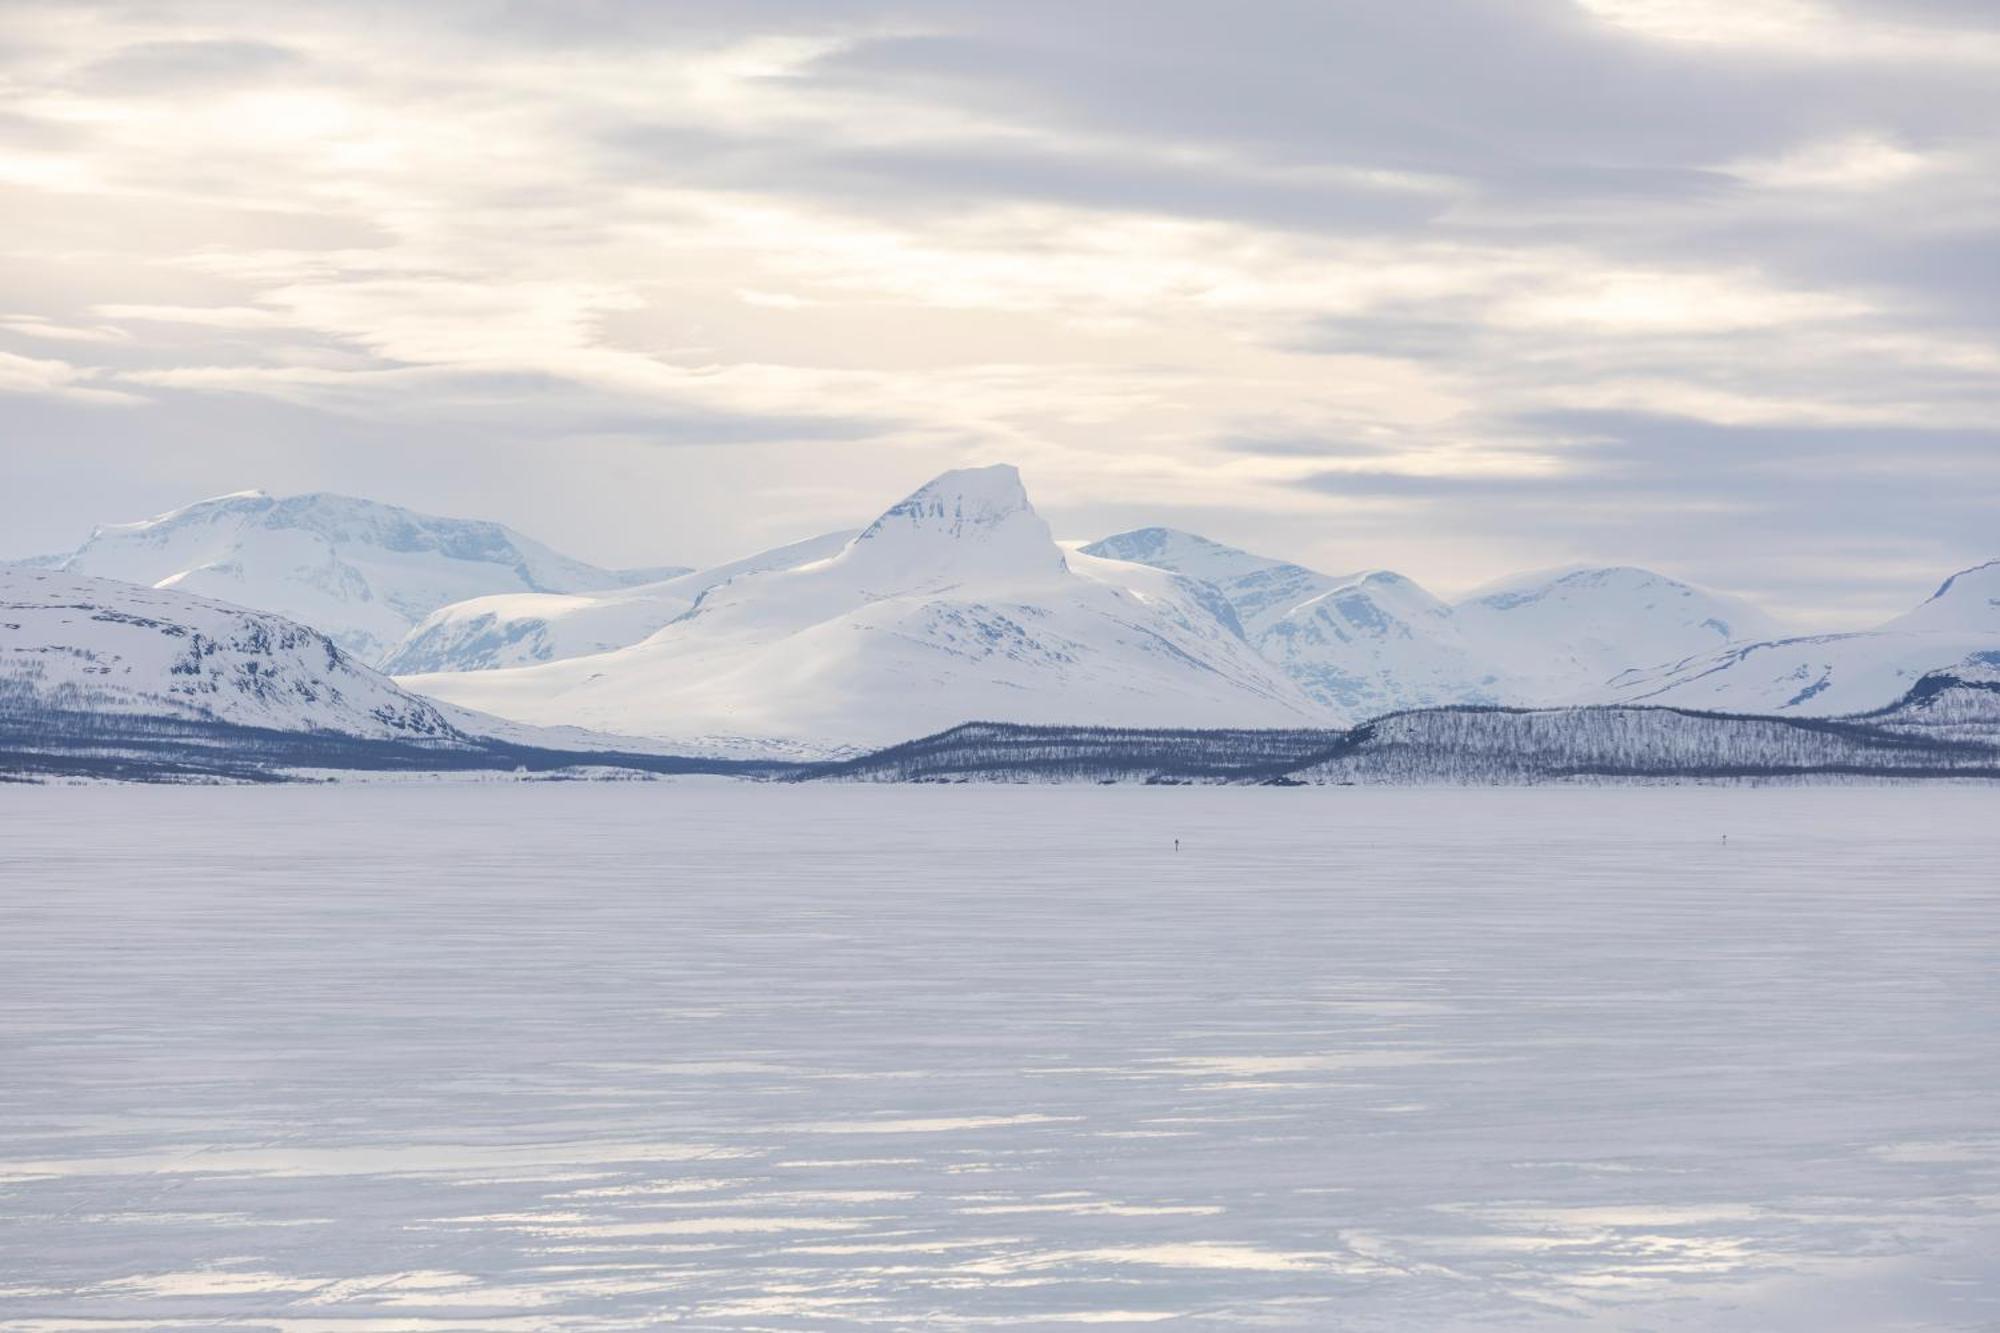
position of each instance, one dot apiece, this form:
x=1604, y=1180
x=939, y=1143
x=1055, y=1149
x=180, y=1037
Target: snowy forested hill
x=1947, y=728
x=1482, y=747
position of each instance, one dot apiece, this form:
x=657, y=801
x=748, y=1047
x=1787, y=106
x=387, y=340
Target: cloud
x=1834, y=522
x=1854, y=162
x=1312, y=269
x=174, y=66
x=1809, y=29
x=57, y=379
x=35, y=326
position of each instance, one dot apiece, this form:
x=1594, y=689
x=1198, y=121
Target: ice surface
x=733, y=1057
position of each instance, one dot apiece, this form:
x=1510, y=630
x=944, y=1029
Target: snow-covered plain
x=776, y=1058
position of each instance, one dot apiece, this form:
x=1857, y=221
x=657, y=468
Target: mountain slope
x=521, y=629
x=362, y=572
x=1822, y=675
x=1961, y=704
x=1557, y=637
x=1356, y=645
x=1260, y=589
x=1377, y=643
x=956, y=604
x=1830, y=675
x=1967, y=603
x=76, y=644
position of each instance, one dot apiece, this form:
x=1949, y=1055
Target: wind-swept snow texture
x=796, y=1060
x=359, y=571
x=955, y=604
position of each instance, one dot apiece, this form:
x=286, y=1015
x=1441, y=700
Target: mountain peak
x=1184, y=553
x=1260, y=589
x=1990, y=568
x=1375, y=600
x=959, y=500
x=964, y=522
x=236, y=503
x=1968, y=600
x=361, y=571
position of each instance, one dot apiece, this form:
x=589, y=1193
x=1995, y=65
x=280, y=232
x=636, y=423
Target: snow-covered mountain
x=361, y=572
x=1830, y=675
x=1961, y=704
x=108, y=679
x=1357, y=645
x=521, y=629
x=1259, y=588
x=1819, y=675
x=955, y=604
x=1376, y=642
x=73, y=644
x=1558, y=636
x=1966, y=603
x=100, y=678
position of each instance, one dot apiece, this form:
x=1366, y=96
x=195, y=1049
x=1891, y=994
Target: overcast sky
x=1455, y=287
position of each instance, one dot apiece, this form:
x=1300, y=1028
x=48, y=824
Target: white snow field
x=734, y=1057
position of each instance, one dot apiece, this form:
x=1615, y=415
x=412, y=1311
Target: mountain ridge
x=101, y=679
x=964, y=571
x=1375, y=641
x=362, y=571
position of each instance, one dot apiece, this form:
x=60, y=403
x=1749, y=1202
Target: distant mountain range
x=1368, y=643
x=106, y=680
x=955, y=604
x=361, y=572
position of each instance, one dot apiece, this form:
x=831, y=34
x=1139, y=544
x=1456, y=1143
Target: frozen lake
x=617, y=1057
